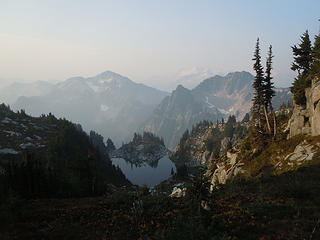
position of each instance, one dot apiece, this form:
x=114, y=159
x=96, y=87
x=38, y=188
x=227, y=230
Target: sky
x=148, y=41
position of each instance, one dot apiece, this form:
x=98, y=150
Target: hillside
x=50, y=157
x=231, y=149
x=207, y=142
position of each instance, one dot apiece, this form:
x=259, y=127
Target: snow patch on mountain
x=210, y=105
x=104, y=108
x=108, y=80
x=98, y=88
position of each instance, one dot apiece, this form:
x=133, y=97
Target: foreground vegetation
x=285, y=206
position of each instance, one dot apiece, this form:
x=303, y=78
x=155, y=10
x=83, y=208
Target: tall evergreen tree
x=258, y=98
x=302, y=62
x=302, y=55
x=269, y=92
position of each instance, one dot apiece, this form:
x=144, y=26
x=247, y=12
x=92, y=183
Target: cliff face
x=306, y=120
x=313, y=97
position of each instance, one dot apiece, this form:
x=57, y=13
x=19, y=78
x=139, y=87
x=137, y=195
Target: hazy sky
x=147, y=41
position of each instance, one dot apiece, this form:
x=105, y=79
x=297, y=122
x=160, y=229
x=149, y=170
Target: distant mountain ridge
x=116, y=107
x=108, y=103
x=214, y=98
x=11, y=93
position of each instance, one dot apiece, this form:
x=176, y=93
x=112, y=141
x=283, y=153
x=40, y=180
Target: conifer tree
x=315, y=55
x=258, y=98
x=302, y=62
x=269, y=92
x=268, y=87
x=302, y=55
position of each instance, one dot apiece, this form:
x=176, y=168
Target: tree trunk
x=267, y=118
x=274, y=123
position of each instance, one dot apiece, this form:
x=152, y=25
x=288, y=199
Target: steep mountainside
x=231, y=94
x=108, y=103
x=207, y=142
x=176, y=113
x=212, y=99
x=47, y=157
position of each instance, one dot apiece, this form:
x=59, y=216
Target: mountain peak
x=109, y=77
x=107, y=74
x=180, y=87
x=181, y=95
x=181, y=91
x=240, y=75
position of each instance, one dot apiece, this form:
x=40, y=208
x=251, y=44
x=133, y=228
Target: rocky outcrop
x=303, y=152
x=306, y=119
x=225, y=170
x=313, y=102
x=178, y=192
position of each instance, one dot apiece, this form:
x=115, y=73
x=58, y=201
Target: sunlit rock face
x=313, y=98
x=306, y=120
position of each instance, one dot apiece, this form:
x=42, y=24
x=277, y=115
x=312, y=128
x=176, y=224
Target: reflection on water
x=146, y=174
